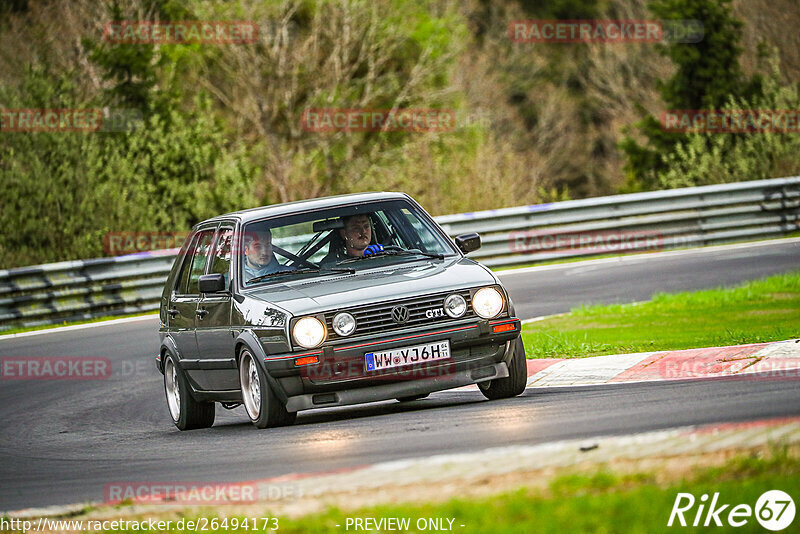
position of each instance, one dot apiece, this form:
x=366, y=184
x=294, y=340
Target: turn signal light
x=307, y=360
x=503, y=328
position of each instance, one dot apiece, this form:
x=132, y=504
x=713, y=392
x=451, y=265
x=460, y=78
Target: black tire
x=185, y=411
x=413, y=397
x=263, y=408
x=514, y=384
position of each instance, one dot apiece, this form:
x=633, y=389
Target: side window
x=394, y=237
x=221, y=262
x=195, y=264
x=183, y=275
x=419, y=235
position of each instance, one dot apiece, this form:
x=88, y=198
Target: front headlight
x=487, y=302
x=308, y=332
x=455, y=305
x=344, y=324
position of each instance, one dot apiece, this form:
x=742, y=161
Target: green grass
x=599, y=501
x=758, y=311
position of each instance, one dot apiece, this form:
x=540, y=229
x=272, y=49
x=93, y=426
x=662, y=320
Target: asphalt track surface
x=64, y=441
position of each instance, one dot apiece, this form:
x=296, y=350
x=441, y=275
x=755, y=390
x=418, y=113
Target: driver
x=259, y=259
x=355, y=238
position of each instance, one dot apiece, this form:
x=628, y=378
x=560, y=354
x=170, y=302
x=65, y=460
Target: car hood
x=305, y=296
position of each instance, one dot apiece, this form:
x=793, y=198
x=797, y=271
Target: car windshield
x=339, y=240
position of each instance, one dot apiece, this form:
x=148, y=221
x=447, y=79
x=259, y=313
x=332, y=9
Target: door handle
x=173, y=312
x=201, y=313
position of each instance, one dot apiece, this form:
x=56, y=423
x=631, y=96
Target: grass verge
x=600, y=502
x=758, y=311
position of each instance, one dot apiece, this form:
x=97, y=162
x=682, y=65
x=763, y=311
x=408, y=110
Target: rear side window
x=195, y=263
x=221, y=262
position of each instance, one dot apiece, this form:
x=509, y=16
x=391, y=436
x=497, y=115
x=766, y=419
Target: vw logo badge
x=400, y=314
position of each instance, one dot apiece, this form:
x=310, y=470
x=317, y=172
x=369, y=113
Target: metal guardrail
x=690, y=217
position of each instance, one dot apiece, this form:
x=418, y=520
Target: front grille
x=377, y=318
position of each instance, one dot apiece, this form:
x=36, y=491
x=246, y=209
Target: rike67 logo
x=774, y=510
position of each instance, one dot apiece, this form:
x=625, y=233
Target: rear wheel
x=515, y=382
x=186, y=412
x=263, y=408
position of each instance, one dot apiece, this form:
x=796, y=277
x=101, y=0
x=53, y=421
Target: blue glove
x=373, y=249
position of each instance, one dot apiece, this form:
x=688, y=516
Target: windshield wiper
x=394, y=252
x=426, y=254
x=306, y=270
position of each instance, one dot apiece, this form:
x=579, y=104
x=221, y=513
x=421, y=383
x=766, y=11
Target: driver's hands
x=373, y=249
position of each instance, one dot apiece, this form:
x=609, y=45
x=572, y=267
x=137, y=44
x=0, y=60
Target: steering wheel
x=295, y=261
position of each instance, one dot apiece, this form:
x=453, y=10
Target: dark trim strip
x=504, y=321
x=287, y=357
x=405, y=337
x=217, y=364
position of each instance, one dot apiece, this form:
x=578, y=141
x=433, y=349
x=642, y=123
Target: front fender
x=248, y=339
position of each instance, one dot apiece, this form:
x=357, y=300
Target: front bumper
x=475, y=346
x=396, y=390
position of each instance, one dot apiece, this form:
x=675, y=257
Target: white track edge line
x=647, y=256
x=79, y=326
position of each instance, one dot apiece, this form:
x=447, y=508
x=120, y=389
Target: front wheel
x=262, y=406
x=515, y=382
x=186, y=412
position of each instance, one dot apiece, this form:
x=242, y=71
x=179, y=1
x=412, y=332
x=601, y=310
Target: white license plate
x=375, y=361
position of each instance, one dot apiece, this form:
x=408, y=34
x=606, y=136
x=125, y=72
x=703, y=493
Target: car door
x=214, y=339
x=183, y=304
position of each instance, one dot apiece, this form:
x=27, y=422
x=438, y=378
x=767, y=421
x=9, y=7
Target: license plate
x=387, y=359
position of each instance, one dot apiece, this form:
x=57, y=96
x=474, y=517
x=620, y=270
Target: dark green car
x=330, y=302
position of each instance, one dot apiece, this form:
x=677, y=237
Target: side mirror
x=212, y=283
x=468, y=242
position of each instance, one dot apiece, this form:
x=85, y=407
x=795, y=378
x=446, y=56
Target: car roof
x=288, y=208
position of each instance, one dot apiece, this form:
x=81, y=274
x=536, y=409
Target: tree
x=707, y=76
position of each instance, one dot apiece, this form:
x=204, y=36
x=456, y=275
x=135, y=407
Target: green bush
x=63, y=191
x=709, y=158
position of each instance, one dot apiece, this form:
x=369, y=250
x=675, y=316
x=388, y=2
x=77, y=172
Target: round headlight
x=455, y=306
x=309, y=332
x=344, y=324
x=487, y=302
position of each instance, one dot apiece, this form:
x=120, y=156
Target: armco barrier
x=696, y=216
